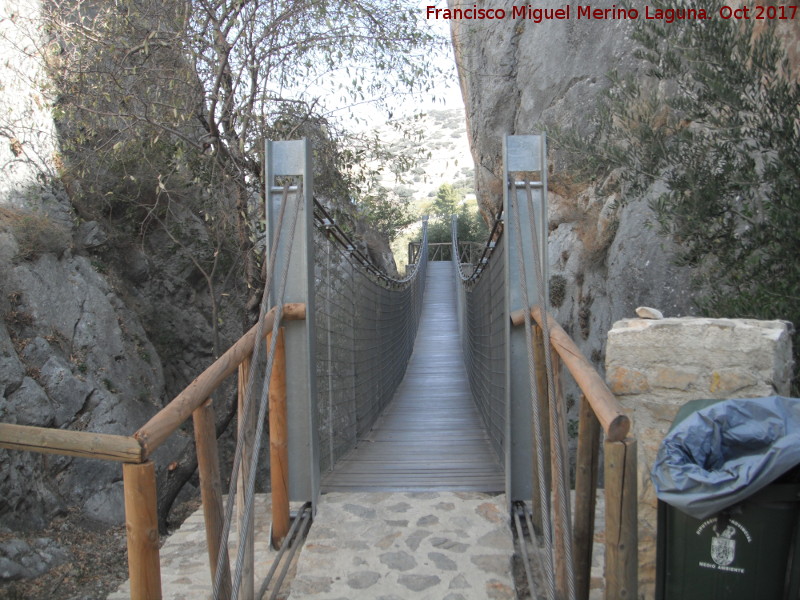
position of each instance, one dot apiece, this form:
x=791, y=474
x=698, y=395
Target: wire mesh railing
x=480, y=297
x=366, y=326
x=468, y=252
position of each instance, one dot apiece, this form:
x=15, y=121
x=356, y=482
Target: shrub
x=36, y=233
x=558, y=290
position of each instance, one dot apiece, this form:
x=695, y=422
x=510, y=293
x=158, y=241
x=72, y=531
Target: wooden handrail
x=153, y=433
x=615, y=422
x=84, y=444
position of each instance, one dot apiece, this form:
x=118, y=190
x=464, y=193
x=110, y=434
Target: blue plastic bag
x=719, y=455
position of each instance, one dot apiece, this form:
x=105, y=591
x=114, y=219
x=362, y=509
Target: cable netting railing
x=481, y=307
x=366, y=323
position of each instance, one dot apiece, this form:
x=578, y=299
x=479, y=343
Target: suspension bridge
x=416, y=425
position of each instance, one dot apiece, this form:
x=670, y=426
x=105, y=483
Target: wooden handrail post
x=246, y=431
x=141, y=522
x=205, y=436
x=278, y=443
x=544, y=411
x=621, y=520
x=585, y=496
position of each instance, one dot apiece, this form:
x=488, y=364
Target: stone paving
x=379, y=545
x=393, y=546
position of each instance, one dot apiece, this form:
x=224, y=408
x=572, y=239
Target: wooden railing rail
x=139, y=472
x=153, y=433
x=609, y=412
x=598, y=408
x=84, y=444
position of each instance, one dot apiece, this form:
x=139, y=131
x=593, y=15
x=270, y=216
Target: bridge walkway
x=430, y=437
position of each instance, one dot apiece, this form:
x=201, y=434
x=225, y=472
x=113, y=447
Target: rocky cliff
x=99, y=328
x=520, y=77
x=113, y=296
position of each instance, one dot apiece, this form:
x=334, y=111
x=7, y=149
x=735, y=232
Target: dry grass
x=35, y=232
x=565, y=184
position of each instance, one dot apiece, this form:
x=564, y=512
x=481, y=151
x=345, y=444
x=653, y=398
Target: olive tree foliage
x=387, y=212
x=163, y=102
x=717, y=121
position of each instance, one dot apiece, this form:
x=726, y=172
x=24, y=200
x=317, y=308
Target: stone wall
x=656, y=366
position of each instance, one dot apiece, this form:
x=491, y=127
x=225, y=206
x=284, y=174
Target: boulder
x=20, y=559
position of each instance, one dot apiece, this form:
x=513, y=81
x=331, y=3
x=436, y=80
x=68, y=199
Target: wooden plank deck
x=430, y=437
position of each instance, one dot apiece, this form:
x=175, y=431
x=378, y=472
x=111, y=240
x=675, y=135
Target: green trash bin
x=748, y=551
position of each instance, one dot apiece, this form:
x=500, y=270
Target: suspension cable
x=556, y=411
x=348, y=249
x=262, y=409
x=544, y=497
x=328, y=226
x=488, y=249
x=248, y=400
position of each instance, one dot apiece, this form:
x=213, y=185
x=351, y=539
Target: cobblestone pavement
x=381, y=546
x=393, y=546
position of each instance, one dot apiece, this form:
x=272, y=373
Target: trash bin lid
x=724, y=452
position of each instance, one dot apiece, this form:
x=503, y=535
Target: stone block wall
x=655, y=366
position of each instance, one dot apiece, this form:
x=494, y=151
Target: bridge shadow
x=431, y=436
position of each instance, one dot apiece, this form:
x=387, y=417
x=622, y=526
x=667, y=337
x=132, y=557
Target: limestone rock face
x=28, y=143
x=605, y=258
x=20, y=559
x=73, y=355
x=608, y=274
x=517, y=75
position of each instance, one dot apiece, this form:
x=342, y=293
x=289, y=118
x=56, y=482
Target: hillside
x=439, y=138
x=444, y=150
